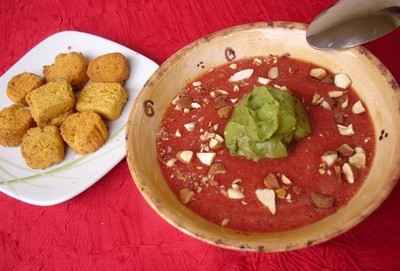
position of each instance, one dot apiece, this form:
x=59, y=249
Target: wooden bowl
x=372, y=81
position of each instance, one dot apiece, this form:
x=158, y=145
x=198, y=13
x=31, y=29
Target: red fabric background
x=110, y=227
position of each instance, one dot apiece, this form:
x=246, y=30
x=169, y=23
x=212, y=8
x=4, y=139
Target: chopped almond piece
x=285, y=180
x=263, y=80
x=348, y=172
x=175, y=100
x=220, y=101
x=358, y=108
x=316, y=99
x=219, y=138
x=206, y=158
x=196, y=84
x=195, y=105
x=342, y=80
x=241, y=75
x=221, y=92
x=281, y=193
x=178, y=133
x=224, y=112
x=335, y=94
x=280, y=87
x=216, y=168
x=329, y=158
x=214, y=144
x=184, y=102
x=346, y=130
x=267, y=198
x=345, y=150
x=190, y=126
x=273, y=73
x=236, y=88
x=235, y=193
x=185, y=156
x=318, y=73
x=325, y=105
x=271, y=181
x=186, y=195
x=358, y=159
x=322, y=201
x=170, y=162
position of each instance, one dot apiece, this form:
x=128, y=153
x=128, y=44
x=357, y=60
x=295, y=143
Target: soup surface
x=319, y=175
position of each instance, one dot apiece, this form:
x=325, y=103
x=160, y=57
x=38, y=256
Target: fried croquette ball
x=84, y=132
x=71, y=67
x=42, y=147
x=15, y=120
x=106, y=99
x=21, y=84
x=113, y=67
x=50, y=101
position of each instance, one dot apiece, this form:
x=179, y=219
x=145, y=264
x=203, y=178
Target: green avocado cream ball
x=264, y=123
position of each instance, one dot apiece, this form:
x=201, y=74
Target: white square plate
x=76, y=173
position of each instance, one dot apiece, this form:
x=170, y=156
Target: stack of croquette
x=70, y=104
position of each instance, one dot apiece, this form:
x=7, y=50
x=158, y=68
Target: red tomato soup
x=320, y=174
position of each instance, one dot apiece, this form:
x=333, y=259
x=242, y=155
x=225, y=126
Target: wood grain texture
x=110, y=227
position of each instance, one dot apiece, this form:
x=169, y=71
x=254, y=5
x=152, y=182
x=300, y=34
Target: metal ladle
x=351, y=23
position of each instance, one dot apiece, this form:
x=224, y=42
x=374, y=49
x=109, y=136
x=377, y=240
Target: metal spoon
x=351, y=23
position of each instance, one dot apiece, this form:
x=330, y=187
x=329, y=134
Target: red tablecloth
x=110, y=227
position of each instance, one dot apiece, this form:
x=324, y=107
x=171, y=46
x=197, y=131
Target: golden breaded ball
x=50, y=101
x=84, y=132
x=107, y=99
x=21, y=84
x=15, y=120
x=42, y=147
x=113, y=67
x=71, y=67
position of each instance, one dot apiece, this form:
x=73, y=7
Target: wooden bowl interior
x=373, y=83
